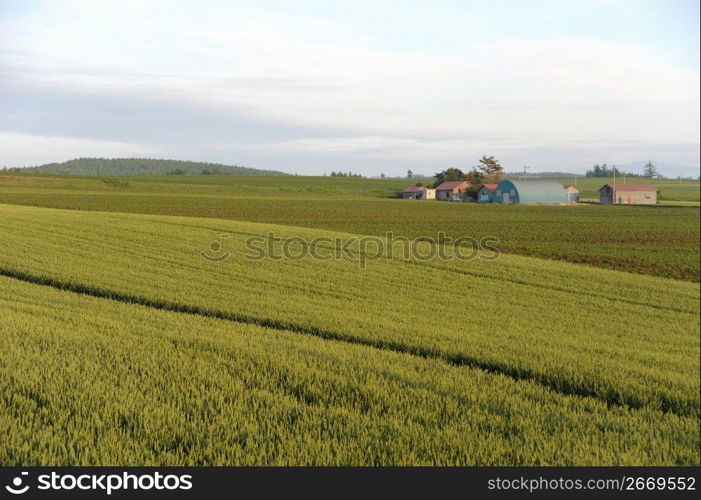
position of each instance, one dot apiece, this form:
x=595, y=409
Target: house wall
x=422, y=194
x=456, y=195
x=606, y=196
x=426, y=194
x=485, y=196
x=444, y=194
x=636, y=197
x=573, y=197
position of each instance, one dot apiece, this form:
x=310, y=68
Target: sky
x=366, y=86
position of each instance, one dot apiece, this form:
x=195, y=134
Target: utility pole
x=614, y=185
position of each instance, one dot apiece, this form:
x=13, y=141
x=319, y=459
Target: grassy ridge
x=662, y=241
x=89, y=381
x=140, y=166
x=306, y=186
x=624, y=339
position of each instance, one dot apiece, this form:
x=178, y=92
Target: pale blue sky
x=372, y=86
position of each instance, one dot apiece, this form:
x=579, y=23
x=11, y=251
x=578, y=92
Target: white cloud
x=513, y=94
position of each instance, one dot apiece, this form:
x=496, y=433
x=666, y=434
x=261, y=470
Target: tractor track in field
x=565, y=387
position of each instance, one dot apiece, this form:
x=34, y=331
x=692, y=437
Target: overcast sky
x=369, y=86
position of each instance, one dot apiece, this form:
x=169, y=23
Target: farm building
x=573, y=193
x=636, y=194
x=530, y=192
x=485, y=194
x=452, y=190
x=419, y=193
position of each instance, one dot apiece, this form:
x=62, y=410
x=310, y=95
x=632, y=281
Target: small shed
x=628, y=194
x=426, y=194
x=530, y=192
x=485, y=194
x=419, y=193
x=410, y=192
x=452, y=190
x=573, y=193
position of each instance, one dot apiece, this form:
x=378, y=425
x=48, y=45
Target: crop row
x=662, y=241
x=91, y=381
x=624, y=339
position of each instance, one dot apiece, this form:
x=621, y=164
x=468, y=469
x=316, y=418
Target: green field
x=660, y=240
x=94, y=381
x=544, y=335
x=121, y=343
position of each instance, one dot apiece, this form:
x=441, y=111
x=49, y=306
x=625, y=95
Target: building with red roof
x=452, y=190
x=485, y=194
x=628, y=194
x=419, y=193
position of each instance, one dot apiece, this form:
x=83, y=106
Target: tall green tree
x=603, y=170
x=649, y=170
x=491, y=169
x=449, y=174
x=409, y=174
x=475, y=178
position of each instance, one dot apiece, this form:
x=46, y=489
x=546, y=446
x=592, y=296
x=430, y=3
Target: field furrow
x=92, y=381
x=621, y=352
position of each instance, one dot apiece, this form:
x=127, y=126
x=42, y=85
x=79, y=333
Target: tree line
x=649, y=171
x=487, y=171
x=346, y=174
x=137, y=166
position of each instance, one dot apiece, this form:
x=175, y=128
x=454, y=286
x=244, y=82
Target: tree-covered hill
x=136, y=166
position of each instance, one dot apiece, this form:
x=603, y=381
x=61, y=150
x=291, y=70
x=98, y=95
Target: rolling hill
x=126, y=339
x=136, y=166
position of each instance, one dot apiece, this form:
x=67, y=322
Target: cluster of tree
x=206, y=171
x=113, y=181
x=137, y=166
x=11, y=170
x=604, y=170
x=346, y=174
x=489, y=170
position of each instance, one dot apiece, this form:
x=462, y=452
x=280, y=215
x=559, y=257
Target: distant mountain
x=140, y=166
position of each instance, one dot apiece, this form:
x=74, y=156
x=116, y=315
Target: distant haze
x=366, y=86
